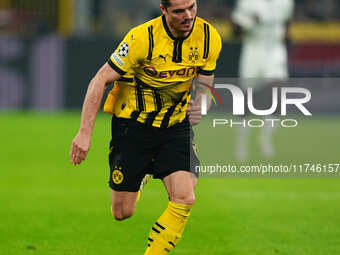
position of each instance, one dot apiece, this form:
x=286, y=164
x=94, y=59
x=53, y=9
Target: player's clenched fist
x=194, y=111
x=79, y=148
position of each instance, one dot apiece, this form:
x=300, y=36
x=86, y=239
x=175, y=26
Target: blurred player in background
x=153, y=69
x=264, y=27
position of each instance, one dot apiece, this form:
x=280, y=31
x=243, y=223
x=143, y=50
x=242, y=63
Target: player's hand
x=79, y=148
x=194, y=111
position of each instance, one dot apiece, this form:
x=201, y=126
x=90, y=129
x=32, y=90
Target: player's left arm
x=205, y=78
x=194, y=109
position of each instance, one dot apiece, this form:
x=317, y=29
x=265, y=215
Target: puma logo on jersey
x=162, y=57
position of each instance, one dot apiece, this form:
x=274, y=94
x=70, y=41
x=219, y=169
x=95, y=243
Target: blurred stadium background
x=50, y=49
x=53, y=47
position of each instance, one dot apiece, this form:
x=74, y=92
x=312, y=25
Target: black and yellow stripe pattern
x=168, y=229
x=155, y=107
x=157, y=70
x=151, y=42
x=159, y=232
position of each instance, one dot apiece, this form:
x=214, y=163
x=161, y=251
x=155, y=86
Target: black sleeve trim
x=125, y=79
x=205, y=72
x=116, y=68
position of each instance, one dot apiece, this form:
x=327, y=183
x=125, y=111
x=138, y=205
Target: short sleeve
x=129, y=52
x=214, y=53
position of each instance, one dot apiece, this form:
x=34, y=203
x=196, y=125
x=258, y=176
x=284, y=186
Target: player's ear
x=163, y=9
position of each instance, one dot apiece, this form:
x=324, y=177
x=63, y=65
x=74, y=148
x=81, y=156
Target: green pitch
x=49, y=207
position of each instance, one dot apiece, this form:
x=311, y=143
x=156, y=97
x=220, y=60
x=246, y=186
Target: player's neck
x=176, y=33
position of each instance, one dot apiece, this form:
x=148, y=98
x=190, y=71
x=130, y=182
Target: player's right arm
x=128, y=54
x=94, y=95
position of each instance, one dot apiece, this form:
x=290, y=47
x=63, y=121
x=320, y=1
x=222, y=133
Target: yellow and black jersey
x=157, y=70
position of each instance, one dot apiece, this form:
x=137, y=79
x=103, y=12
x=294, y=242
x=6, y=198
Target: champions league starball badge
x=123, y=50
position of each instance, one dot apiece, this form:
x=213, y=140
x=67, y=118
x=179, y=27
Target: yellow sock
x=168, y=229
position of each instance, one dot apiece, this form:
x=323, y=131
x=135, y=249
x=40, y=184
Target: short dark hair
x=165, y=3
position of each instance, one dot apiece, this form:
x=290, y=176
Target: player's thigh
x=123, y=200
x=176, y=151
x=129, y=155
x=180, y=187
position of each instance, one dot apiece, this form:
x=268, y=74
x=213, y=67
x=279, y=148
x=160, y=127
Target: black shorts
x=137, y=149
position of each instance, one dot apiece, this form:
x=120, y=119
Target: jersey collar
x=165, y=25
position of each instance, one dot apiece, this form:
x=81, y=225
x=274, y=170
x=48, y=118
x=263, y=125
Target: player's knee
x=121, y=212
x=184, y=198
x=120, y=215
